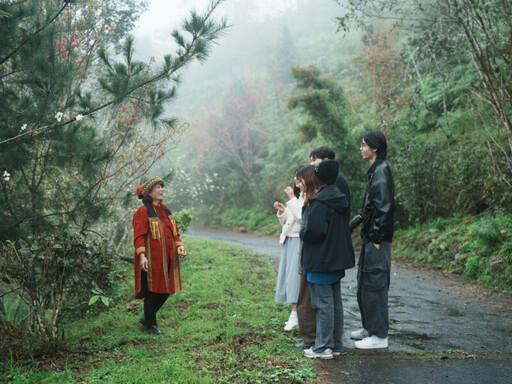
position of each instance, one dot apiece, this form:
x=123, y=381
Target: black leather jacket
x=377, y=210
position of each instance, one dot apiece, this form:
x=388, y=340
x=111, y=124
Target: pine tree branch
x=178, y=63
x=210, y=33
x=33, y=34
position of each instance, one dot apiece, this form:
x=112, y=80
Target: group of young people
x=317, y=249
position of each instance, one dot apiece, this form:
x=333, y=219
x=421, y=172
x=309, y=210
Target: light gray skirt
x=287, y=289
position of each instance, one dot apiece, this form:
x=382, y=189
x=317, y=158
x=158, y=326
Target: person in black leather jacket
x=377, y=218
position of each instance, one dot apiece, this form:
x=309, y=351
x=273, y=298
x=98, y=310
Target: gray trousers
x=373, y=279
x=326, y=301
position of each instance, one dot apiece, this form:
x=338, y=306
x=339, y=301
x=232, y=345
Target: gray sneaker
x=304, y=345
x=309, y=353
x=360, y=334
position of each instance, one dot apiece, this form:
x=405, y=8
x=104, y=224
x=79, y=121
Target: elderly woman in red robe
x=157, y=250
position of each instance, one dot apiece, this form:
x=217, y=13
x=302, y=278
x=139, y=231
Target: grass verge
x=250, y=220
x=477, y=247
x=224, y=327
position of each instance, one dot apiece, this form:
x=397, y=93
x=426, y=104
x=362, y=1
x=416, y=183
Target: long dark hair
x=307, y=176
x=296, y=190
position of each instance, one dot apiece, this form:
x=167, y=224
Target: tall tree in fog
x=478, y=31
x=326, y=116
x=383, y=82
x=323, y=102
x=228, y=144
x=286, y=56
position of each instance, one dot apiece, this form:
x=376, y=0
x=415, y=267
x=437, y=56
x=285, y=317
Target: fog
x=248, y=46
x=162, y=16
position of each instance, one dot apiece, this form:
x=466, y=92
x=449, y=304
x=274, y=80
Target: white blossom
x=79, y=117
x=58, y=116
x=23, y=127
x=6, y=176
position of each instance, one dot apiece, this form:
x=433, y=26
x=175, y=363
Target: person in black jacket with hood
x=376, y=216
x=326, y=253
x=320, y=154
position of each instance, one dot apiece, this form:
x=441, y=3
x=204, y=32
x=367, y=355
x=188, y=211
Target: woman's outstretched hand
x=289, y=192
x=279, y=207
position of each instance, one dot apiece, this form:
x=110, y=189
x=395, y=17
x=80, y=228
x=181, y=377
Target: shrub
x=52, y=274
x=492, y=230
x=478, y=247
x=183, y=218
x=252, y=220
x=472, y=267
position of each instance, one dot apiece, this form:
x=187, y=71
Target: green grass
x=477, y=247
x=224, y=327
x=250, y=220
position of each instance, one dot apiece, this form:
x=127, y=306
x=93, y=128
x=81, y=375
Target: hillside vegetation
x=438, y=84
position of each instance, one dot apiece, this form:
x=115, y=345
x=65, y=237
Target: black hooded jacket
x=377, y=210
x=327, y=244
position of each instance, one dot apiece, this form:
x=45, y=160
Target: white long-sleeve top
x=290, y=218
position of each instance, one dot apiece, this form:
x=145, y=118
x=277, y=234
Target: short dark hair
x=376, y=140
x=322, y=153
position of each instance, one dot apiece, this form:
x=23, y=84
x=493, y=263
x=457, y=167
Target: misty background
x=255, y=39
x=265, y=41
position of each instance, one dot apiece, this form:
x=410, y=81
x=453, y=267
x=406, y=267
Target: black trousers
x=373, y=278
x=152, y=303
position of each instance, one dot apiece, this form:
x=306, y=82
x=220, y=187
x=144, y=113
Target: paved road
x=442, y=329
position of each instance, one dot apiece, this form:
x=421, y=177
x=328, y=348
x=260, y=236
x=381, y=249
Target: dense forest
x=84, y=120
x=434, y=76
x=300, y=84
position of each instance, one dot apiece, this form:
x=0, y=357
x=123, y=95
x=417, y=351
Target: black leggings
x=152, y=303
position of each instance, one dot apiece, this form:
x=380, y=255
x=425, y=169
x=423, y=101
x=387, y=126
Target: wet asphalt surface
x=442, y=328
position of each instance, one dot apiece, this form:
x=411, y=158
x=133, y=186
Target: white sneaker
x=359, y=335
x=372, y=342
x=293, y=322
x=325, y=355
x=291, y=325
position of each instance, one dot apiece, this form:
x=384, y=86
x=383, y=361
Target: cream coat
x=290, y=218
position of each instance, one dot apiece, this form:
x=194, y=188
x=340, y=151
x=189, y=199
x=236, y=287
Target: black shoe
x=154, y=330
x=143, y=320
x=304, y=345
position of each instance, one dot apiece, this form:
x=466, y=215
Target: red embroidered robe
x=158, y=242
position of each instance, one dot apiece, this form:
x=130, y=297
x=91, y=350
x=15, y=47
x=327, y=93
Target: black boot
x=154, y=330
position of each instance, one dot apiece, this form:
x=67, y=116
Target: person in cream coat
x=289, y=215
